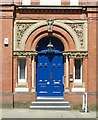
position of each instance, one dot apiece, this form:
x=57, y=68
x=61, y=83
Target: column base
x=33, y=90
x=66, y=89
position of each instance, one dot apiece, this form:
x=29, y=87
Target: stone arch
x=59, y=33
x=33, y=28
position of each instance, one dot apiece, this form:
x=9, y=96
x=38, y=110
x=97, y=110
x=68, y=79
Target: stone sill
x=22, y=85
x=19, y=89
x=78, y=89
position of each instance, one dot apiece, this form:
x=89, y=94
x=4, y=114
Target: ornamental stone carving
x=21, y=28
x=73, y=54
x=78, y=28
x=25, y=53
x=50, y=25
x=78, y=31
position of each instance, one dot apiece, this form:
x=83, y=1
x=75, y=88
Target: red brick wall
x=24, y=97
x=76, y=99
x=91, y=54
x=0, y=54
x=7, y=32
x=35, y=2
x=65, y=2
x=7, y=98
x=73, y=98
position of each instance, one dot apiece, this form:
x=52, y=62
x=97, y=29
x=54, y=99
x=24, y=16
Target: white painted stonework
x=78, y=89
x=74, y=2
x=50, y=2
x=26, y=2
x=21, y=89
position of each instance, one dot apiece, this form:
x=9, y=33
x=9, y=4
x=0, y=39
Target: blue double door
x=49, y=74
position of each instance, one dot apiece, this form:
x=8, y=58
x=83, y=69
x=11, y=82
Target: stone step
x=50, y=99
x=51, y=107
x=49, y=103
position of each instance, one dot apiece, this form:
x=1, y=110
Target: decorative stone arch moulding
x=76, y=28
x=40, y=33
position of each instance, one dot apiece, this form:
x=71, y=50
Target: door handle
x=50, y=75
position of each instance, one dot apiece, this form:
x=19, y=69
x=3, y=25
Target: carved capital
x=74, y=54
x=25, y=53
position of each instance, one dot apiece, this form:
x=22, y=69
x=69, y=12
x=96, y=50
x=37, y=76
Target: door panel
x=58, y=71
x=43, y=68
x=50, y=70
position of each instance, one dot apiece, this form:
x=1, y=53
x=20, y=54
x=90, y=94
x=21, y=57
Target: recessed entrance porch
x=50, y=67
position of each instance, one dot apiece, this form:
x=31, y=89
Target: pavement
x=30, y=113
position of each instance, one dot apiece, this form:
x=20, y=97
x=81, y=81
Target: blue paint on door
x=49, y=73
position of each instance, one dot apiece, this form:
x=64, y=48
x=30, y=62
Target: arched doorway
x=50, y=67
